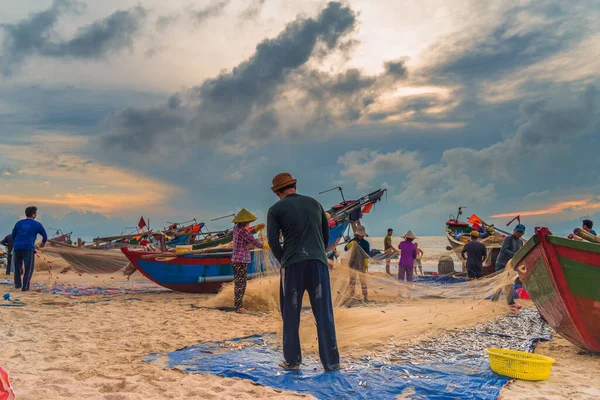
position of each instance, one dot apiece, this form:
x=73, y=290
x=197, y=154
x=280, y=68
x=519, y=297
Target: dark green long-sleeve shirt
x=305, y=229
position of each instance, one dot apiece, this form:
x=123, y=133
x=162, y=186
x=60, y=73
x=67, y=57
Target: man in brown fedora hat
x=303, y=224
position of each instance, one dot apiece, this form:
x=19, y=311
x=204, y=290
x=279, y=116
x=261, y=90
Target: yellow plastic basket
x=520, y=365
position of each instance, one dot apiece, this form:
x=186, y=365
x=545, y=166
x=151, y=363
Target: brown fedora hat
x=282, y=180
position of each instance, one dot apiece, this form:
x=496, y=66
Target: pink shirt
x=408, y=253
x=242, y=239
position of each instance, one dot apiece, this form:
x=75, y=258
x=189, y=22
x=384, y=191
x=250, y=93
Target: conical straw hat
x=244, y=216
x=409, y=235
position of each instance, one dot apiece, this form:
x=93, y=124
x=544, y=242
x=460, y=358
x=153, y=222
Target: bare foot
x=241, y=310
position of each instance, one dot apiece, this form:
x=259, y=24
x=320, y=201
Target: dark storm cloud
x=396, y=68
x=36, y=35
x=553, y=137
x=62, y=107
x=512, y=44
x=548, y=127
x=144, y=129
x=234, y=99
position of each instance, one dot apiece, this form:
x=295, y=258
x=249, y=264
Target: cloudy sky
x=181, y=109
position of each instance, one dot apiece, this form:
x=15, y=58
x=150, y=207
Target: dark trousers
x=405, y=272
x=474, y=271
x=9, y=261
x=313, y=276
x=23, y=258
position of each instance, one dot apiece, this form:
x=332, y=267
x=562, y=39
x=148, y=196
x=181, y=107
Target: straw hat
x=244, y=216
x=474, y=234
x=409, y=235
x=282, y=180
x=360, y=231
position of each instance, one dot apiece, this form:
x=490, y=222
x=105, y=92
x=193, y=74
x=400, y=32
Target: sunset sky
x=186, y=109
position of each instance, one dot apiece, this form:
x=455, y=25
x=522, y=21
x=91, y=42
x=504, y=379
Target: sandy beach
x=58, y=347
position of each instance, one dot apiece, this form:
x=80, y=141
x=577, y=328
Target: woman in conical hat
x=408, y=253
x=240, y=258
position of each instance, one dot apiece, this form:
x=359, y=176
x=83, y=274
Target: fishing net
x=90, y=261
x=395, y=310
x=494, y=240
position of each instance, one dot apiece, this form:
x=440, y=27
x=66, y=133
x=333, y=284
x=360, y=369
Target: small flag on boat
x=366, y=209
x=142, y=223
x=475, y=220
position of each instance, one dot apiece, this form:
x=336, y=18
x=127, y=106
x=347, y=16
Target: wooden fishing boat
x=458, y=232
x=562, y=278
x=205, y=272
x=454, y=227
x=194, y=273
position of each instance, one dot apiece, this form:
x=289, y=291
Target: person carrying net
x=303, y=224
x=359, y=261
x=240, y=258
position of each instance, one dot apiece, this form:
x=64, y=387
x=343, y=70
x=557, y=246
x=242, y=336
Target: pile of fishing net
x=494, y=240
x=395, y=309
x=83, y=260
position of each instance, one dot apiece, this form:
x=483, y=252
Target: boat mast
x=338, y=188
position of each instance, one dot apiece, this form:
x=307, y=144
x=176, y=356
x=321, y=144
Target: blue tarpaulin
x=439, y=279
x=255, y=359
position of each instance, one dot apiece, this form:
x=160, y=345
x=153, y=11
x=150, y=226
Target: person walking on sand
x=418, y=263
x=408, y=253
x=8, y=242
x=359, y=263
x=24, y=234
x=240, y=257
x=305, y=229
x=476, y=253
x=388, y=250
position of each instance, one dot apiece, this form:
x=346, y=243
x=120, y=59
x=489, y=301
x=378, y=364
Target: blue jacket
x=25, y=232
x=509, y=247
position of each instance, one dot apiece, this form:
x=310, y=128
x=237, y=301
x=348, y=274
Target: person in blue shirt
x=357, y=263
x=588, y=225
x=24, y=234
